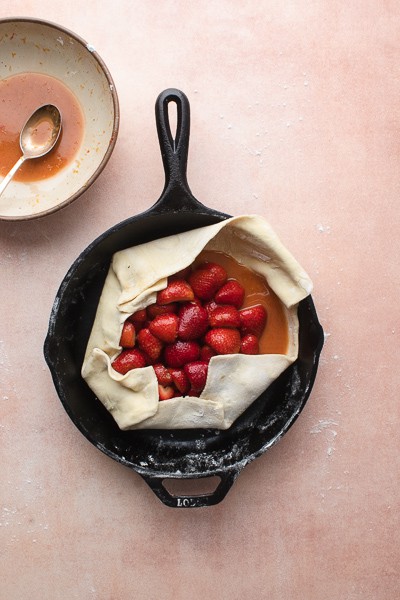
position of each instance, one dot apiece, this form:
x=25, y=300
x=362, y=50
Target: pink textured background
x=295, y=116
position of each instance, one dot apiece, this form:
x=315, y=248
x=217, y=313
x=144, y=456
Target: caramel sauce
x=275, y=337
x=20, y=96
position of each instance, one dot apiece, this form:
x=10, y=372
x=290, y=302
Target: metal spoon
x=38, y=136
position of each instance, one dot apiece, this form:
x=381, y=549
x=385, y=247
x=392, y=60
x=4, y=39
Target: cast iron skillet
x=159, y=455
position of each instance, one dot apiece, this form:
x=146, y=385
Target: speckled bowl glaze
x=30, y=45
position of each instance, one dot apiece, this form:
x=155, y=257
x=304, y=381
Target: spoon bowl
x=41, y=131
x=38, y=136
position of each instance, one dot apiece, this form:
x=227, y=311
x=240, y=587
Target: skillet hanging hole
x=172, y=123
x=181, y=488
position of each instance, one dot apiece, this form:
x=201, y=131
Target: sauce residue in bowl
x=275, y=337
x=20, y=96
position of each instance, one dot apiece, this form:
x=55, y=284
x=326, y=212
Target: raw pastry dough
x=234, y=381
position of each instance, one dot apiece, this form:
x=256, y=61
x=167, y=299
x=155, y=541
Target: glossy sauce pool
x=20, y=96
x=275, y=337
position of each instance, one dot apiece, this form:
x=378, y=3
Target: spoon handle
x=11, y=173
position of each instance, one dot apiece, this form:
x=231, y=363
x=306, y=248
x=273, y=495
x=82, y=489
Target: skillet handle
x=176, y=194
x=227, y=479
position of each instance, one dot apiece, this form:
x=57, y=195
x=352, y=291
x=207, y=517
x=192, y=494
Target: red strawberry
x=138, y=317
x=193, y=321
x=206, y=279
x=177, y=290
x=179, y=353
x=253, y=319
x=192, y=392
x=165, y=327
x=225, y=316
x=129, y=359
x=150, y=344
x=155, y=309
x=249, y=344
x=197, y=374
x=231, y=293
x=182, y=274
x=162, y=374
x=180, y=380
x=165, y=392
x=128, y=335
x=210, y=306
x=206, y=353
x=223, y=341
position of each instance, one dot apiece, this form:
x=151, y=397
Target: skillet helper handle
x=174, y=151
x=227, y=479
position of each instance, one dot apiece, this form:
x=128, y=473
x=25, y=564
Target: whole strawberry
x=128, y=335
x=165, y=327
x=180, y=380
x=225, y=316
x=128, y=360
x=253, y=319
x=179, y=353
x=177, y=290
x=193, y=321
x=197, y=374
x=249, y=344
x=138, y=318
x=232, y=292
x=206, y=353
x=206, y=280
x=154, y=310
x=223, y=340
x=150, y=344
x=162, y=374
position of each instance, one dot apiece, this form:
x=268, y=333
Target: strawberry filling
x=197, y=316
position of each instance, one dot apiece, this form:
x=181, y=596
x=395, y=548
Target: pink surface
x=295, y=116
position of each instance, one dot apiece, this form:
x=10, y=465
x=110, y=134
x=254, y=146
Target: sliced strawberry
x=155, y=309
x=206, y=280
x=128, y=360
x=177, y=290
x=128, y=335
x=165, y=327
x=197, y=374
x=179, y=353
x=206, y=353
x=165, y=392
x=150, y=344
x=249, y=344
x=253, y=319
x=180, y=380
x=223, y=340
x=162, y=374
x=232, y=292
x=193, y=321
x=138, y=318
x=225, y=316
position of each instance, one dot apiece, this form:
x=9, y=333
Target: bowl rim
x=116, y=121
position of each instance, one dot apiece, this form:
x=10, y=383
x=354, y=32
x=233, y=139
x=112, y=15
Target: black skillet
x=163, y=455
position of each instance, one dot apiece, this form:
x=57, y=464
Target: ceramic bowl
x=35, y=46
